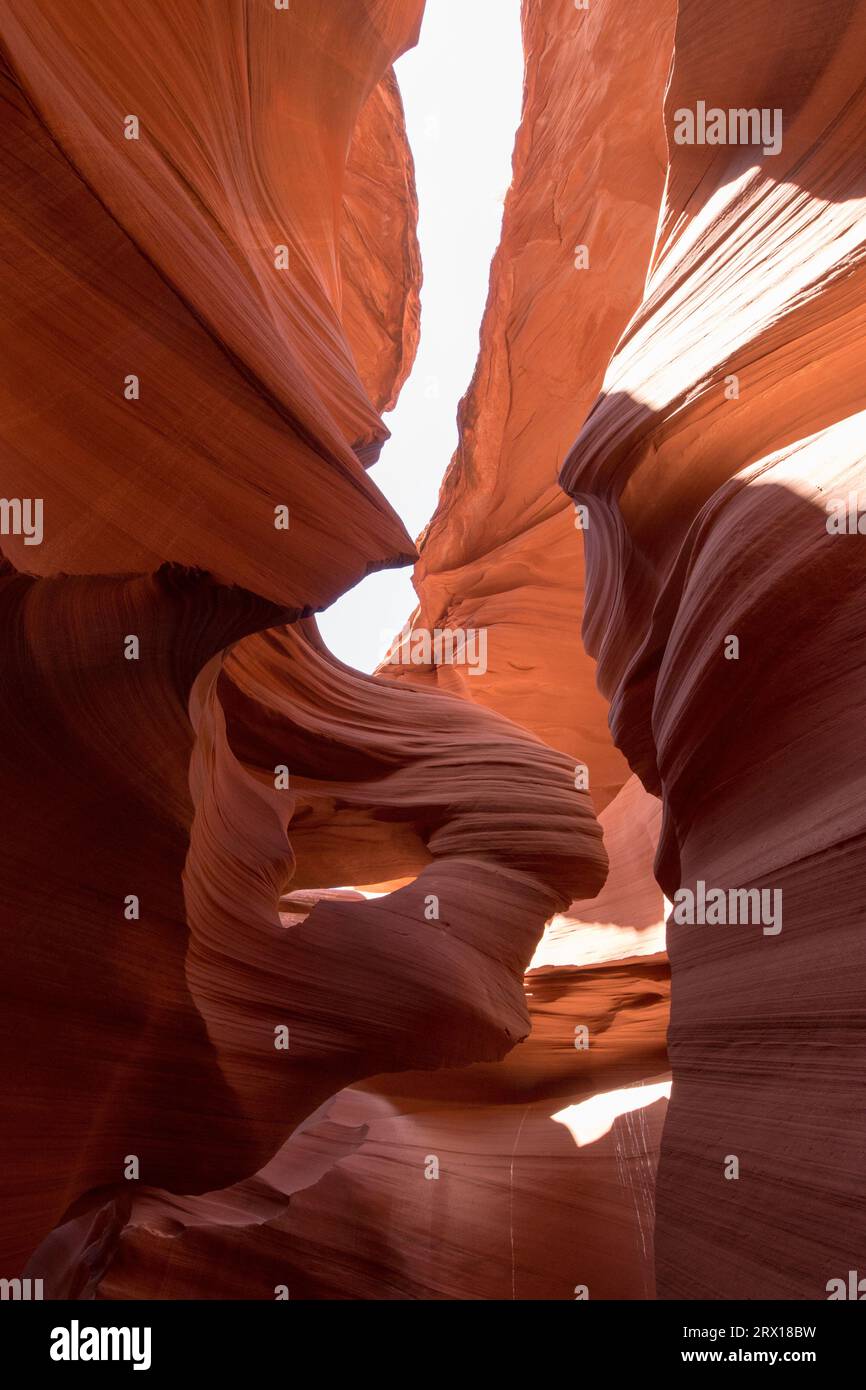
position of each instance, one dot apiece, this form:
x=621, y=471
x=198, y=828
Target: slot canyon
x=331, y=984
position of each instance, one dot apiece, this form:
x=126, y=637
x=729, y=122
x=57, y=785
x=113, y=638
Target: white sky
x=462, y=88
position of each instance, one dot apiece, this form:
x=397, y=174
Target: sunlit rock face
x=502, y=553
x=212, y=291
x=550, y=1213
x=175, y=395
x=320, y=984
x=530, y=1178
x=728, y=620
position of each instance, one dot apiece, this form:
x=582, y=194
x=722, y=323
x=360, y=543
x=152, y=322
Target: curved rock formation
x=727, y=620
x=201, y=260
x=318, y=982
x=503, y=547
x=502, y=555
x=187, y=363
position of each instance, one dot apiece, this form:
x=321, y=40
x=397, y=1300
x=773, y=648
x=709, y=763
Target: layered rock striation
x=212, y=291
x=726, y=614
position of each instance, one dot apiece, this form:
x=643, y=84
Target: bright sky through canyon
x=462, y=137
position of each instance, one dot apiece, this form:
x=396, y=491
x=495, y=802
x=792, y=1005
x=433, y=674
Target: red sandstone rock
x=730, y=416
x=528, y=1153
x=499, y=1222
x=501, y=552
x=157, y=257
x=159, y=771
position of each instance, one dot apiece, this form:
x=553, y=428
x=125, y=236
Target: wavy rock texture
x=501, y=550
x=502, y=547
x=514, y=1188
x=730, y=418
x=152, y=948
x=166, y=255
x=627, y=916
x=251, y=260
x=157, y=257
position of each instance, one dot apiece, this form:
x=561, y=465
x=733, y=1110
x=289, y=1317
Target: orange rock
x=185, y=359
x=201, y=259
x=730, y=418
x=502, y=552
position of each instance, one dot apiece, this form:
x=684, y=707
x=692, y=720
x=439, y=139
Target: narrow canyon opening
x=523, y=961
x=461, y=139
